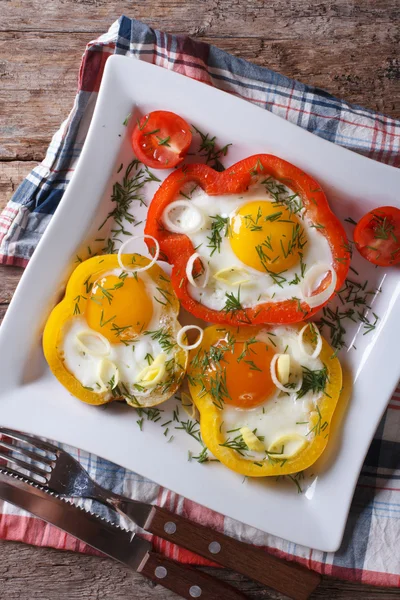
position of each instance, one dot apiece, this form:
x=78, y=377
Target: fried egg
x=259, y=245
x=267, y=384
x=121, y=341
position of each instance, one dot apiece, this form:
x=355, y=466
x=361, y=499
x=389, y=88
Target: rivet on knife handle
x=187, y=582
x=289, y=578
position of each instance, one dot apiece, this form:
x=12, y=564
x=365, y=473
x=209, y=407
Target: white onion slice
x=309, y=281
x=276, y=381
x=228, y=274
x=202, y=280
x=318, y=347
x=133, y=269
x=107, y=371
x=174, y=227
x=152, y=374
x=189, y=406
x=283, y=440
x=182, y=332
x=87, y=339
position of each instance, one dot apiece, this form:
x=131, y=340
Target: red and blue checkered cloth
x=370, y=550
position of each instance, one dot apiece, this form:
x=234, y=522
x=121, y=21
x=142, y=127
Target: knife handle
x=186, y=581
x=289, y=578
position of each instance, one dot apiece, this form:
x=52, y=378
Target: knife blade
x=124, y=546
x=115, y=542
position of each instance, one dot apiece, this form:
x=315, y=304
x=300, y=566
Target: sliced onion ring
x=276, y=381
x=137, y=269
x=171, y=226
x=310, y=278
x=182, y=332
x=318, y=347
x=204, y=277
x=88, y=333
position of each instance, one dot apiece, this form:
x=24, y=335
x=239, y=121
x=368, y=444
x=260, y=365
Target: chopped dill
x=163, y=338
x=209, y=150
x=124, y=193
x=219, y=229
x=233, y=305
x=164, y=141
x=126, y=120
x=314, y=381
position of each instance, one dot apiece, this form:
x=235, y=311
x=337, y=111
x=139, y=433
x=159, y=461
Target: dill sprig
x=247, y=349
x=209, y=150
x=202, y=457
x=295, y=479
x=163, y=337
x=313, y=381
x=151, y=414
x=102, y=322
x=233, y=305
x=206, y=358
x=237, y=443
x=253, y=223
x=77, y=299
x=217, y=388
x=383, y=228
x=123, y=195
x=232, y=302
x=219, y=229
x=191, y=428
x=164, y=141
x=354, y=304
x=119, y=330
x=105, y=292
x=168, y=296
x=282, y=195
x=296, y=242
x=319, y=426
x=277, y=278
x=126, y=120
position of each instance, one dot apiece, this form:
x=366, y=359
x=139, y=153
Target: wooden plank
x=39, y=77
x=271, y=20
x=52, y=575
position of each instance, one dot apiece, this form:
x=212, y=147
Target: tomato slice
x=161, y=139
x=377, y=236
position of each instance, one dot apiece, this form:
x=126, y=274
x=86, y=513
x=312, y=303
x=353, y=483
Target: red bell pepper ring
x=178, y=248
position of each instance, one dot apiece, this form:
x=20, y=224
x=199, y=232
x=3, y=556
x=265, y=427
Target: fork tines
x=33, y=457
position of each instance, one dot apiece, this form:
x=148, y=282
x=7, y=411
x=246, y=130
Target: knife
x=124, y=546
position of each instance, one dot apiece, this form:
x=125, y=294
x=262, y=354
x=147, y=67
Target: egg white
x=282, y=413
x=130, y=358
x=261, y=287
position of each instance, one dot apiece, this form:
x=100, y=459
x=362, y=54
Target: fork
x=61, y=473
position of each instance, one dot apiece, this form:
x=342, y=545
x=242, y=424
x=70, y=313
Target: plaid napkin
x=369, y=552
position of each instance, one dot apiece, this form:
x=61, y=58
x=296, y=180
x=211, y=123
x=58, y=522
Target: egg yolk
x=245, y=374
x=118, y=308
x=267, y=236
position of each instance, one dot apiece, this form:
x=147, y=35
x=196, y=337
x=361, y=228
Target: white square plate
x=31, y=399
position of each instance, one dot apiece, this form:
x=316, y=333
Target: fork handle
x=186, y=581
x=289, y=578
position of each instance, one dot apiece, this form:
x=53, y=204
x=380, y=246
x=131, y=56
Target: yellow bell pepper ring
x=77, y=303
x=210, y=383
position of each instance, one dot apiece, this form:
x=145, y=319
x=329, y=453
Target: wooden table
x=347, y=47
